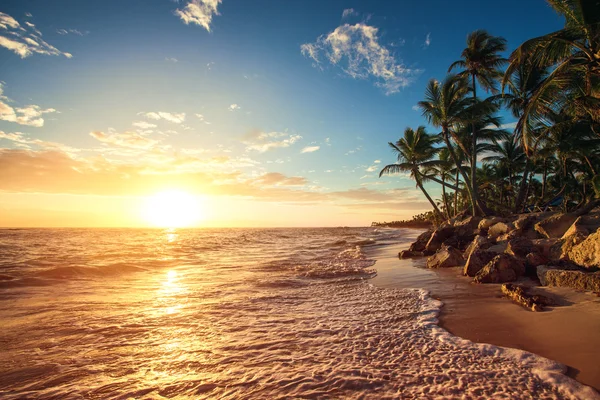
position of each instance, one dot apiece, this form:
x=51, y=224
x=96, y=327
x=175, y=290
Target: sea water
x=235, y=314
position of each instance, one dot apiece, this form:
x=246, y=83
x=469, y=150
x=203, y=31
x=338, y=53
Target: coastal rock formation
x=486, y=223
x=410, y=254
x=577, y=228
x=438, y=237
x=587, y=253
x=479, y=242
x=570, y=278
x=544, y=246
x=556, y=225
x=447, y=256
x=520, y=295
x=535, y=259
x=498, y=229
x=477, y=260
x=519, y=247
x=421, y=242
x=502, y=268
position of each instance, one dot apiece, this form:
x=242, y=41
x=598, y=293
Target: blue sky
x=263, y=103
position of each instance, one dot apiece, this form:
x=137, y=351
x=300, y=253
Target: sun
x=173, y=209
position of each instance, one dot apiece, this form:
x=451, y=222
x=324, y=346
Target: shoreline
x=568, y=333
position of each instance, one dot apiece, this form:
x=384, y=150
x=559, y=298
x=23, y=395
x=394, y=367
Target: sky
x=266, y=112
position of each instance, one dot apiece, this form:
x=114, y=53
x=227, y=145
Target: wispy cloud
x=310, y=149
x=357, y=50
x=199, y=12
x=176, y=118
x=416, y=108
x=72, y=31
x=348, y=12
x=234, y=107
x=24, y=40
x=143, y=125
x=171, y=59
x=126, y=139
x=30, y=115
x=427, y=40
x=201, y=118
x=263, y=141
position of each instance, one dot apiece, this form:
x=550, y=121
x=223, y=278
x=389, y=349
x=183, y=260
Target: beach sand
x=568, y=333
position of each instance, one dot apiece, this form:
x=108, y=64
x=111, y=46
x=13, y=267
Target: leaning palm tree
x=415, y=151
x=446, y=105
x=481, y=62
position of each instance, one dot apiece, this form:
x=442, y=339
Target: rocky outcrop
x=479, y=242
x=502, y=268
x=520, y=295
x=446, y=256
x=577, y=228
x=486, y=223
x=556, y=225
x=586, y=253
x=421, y=242
x=569, y=278
x=535, y=259
x=544, y=246
x=498, y=229
x=438, y=237
x=477, y=260
x=410, y=254
x=519, y=247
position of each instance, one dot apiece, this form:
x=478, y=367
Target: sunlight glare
x=173, y=209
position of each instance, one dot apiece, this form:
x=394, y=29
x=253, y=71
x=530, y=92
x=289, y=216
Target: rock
x=477, y=260
x=445, y=257
x=421, y=242
x=437, y=238
x=544, y=246
x=502, y=268
x=519, y=247
x=479, y=242
x=556, y=225
x=486, y=223
x=535, y=259
x=410, y=254
x=499, y=247
x=587, y=253
x=577, y=228
x=589, y=281
x=519, y=294
x=524, y=222
x=561, y=250
x=498, y=229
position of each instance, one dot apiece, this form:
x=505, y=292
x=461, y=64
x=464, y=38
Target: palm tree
x=446, y=105
x=481, y=62
x=414, y=151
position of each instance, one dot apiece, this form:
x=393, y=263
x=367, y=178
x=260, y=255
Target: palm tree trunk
x=447, y=209
x=474, y=194
x=435, y=207
x=456, y=181
x=457, y=162
x=522, y=187
x=544, y=177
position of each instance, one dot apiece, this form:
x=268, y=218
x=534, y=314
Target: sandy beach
x=568, y=333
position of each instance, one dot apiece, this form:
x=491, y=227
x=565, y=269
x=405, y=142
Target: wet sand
x=568, y=333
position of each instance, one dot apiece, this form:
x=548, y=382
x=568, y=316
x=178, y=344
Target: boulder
x=577, y=228
x=437, y=238
x=535, y=259
x=446, y=256
x=410, y=254
x=519, y=247
x=556, y=225
x=524, y=222
x=544, y=246
x=561, y=250
x=502, y=268
x=586, y=253
x=486, y=223
x=520, y=295
x=479, y=242
x=499, y=247
x=589, y=281
x=477, y=260
x=421, y=242
x=498, y=229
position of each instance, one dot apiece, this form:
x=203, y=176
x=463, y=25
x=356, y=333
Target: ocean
x=235, y=314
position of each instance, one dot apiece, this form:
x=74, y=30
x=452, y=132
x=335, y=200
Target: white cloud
x=201, y=118
x=371, y=168
x=199, y=12
x=171, y=59
x=377, y=162
x=348, y=12
x=30, y=115
x=176, y=118
x=509, y=126
x=427, y=40
x=143, y=125
x=24, y=40
x=263, y=141
x=234, y=107
x=310, y=149
x=72, y=31
x=126, y=139
x=416, y=108
x=356, y=49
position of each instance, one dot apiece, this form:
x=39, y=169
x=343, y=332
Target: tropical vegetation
x=549, y=159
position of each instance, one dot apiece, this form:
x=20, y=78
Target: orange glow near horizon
x=173, y=209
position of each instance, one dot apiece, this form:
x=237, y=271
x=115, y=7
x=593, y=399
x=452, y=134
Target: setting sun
x=173, y=209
